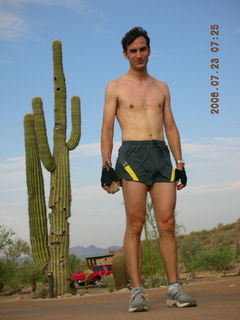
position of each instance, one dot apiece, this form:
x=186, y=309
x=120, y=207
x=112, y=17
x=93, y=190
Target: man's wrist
x=180, y=166
x=107, y=164
x=180, y=162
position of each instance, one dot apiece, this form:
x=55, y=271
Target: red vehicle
x=99, y=272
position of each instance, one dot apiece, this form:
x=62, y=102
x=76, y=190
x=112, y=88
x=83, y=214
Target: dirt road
x=217, y=300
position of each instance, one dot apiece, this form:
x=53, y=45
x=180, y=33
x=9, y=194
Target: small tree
x=11, y=249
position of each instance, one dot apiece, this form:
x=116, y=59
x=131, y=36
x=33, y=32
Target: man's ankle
x=137, y=288
x=172, y=285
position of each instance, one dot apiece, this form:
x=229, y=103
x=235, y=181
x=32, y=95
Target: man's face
x=137, y=53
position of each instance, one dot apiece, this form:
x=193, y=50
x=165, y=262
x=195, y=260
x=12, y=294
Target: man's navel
x=131, y=106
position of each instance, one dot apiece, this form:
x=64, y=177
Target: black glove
x=108, y=176
x=181, y=175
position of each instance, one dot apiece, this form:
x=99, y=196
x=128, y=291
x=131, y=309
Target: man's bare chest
x=140, y=98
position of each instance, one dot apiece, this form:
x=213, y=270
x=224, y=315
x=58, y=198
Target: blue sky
x=91, y=32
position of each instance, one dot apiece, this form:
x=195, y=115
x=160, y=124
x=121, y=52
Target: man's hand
x=180, y=178
x=109, y=180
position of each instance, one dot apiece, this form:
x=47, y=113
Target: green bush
x=8, y=274
x=189, y=249
x=220, y=258
x=108, y=282
x=41, y=292
x=77, y=264
x=28, y=274
x=17, y=275
x=155, y=281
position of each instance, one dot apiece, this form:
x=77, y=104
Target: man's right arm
x=108, y=122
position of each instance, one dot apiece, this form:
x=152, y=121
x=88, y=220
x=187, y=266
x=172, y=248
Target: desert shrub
x=154, y=282
x=108, y=282
x=29, y=273
x=220, y=258
x=227, y=227
x=41, y=292
x=7, y=272
x=227, y=239
x=189, y=249
x=77, y=264
x=16, y=275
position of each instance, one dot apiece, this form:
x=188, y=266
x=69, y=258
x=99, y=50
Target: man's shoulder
x=116, y=81
x=115, y=84
x=160, y=83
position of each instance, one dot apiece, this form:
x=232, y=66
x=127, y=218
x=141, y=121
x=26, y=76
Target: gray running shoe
x=137, y=302
x=177, y=297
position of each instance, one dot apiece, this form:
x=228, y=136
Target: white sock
x=173, y=285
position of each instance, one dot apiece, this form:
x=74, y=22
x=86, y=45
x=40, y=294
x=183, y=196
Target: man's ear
x=125, y=54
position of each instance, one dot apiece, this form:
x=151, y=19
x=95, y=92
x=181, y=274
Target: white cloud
x=12, y=174
x=11, y=25
x=219, y=152
x=13, y=163
x=233, y=185
x=13, y=22
x=211, y=148
x=92, y=150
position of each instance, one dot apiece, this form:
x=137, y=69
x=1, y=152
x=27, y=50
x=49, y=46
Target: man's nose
x=139, y=54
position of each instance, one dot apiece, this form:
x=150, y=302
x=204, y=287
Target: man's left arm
x=173, y=138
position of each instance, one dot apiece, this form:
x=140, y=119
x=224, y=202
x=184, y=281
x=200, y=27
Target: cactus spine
x=56, y=247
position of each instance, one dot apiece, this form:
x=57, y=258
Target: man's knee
x=135, y=226
x=167, y=225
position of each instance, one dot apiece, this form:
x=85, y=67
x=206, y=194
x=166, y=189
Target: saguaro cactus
x=51, y=252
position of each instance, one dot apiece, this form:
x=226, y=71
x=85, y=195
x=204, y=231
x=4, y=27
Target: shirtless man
x=141, y=105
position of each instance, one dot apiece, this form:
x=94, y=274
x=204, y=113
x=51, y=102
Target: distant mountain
x=91, y=251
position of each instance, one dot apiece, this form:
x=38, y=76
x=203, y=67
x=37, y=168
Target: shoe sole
x=175, y=303
x=138, y=309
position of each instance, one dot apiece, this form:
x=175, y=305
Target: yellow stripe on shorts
x=131, y=172
x=172, y=175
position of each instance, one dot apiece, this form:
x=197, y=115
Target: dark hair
x=133, y=34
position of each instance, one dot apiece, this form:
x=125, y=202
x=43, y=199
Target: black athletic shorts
x=145, y=161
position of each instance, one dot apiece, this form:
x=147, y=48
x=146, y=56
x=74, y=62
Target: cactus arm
x=76, y=124
x=40, y=127
x=36, y=198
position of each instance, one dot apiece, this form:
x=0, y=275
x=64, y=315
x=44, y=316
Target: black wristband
x=180, y=175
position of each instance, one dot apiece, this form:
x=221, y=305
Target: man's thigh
x=163, y=195
x=134, y=194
